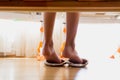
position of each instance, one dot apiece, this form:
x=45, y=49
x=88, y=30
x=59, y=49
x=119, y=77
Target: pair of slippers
x=69, y=62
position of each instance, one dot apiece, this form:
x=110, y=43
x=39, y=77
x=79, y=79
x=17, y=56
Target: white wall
x=92, y=40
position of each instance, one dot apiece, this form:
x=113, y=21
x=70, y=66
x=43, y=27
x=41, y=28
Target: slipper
x=53, y=64
x=78, y=65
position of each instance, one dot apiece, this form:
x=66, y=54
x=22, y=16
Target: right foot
x=50, y=55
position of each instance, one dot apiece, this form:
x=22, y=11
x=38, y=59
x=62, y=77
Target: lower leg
x=48, y=50
x=72, y=24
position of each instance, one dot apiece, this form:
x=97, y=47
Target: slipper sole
x=77, y=65
x=54, y=64
x=71, y=64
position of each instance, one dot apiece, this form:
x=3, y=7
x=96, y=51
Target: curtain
x=19, y=37
x=22, y=37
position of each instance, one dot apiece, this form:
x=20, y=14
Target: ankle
x=47, y=47
x=69, y=50
x=70, y=45
x=48, y=43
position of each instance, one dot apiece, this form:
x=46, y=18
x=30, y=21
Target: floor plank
x=31, y=69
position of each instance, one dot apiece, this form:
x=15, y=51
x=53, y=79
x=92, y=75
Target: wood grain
x=60, y=5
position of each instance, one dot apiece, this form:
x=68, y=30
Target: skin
x=69, y=50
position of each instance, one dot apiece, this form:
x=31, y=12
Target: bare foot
x=71, y=53
x=50, y=55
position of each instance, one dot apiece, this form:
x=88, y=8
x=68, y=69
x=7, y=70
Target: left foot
x=71, y=53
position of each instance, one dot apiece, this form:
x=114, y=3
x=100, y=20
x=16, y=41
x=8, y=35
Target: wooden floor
x=31, y=69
